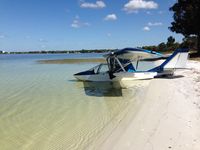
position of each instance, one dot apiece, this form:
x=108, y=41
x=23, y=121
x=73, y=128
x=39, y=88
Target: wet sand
x=168, y=117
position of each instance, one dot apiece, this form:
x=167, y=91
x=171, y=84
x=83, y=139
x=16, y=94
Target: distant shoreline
x=61, y=52
x=193, y=55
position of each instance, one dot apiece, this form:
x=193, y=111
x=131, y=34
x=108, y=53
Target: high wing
x=134, y=54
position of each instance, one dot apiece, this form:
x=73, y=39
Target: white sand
x=169, y=117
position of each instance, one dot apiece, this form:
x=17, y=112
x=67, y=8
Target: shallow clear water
x=42, y=106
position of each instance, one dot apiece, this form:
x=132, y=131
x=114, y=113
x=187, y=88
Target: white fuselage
x=121, y=76
x=141, y=69
x=94, y=77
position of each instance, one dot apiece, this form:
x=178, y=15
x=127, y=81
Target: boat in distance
x=130, y=64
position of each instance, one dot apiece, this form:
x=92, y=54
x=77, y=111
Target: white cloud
x=155, y=24
x=148, y=13
x=146, y=28
x=110, y=17
x=73, y=25
x=150, y=24
x=77, y=17
x=135, y=5
x=97, y=5
x=77, y=23
x=42, y=40
x=109, y=34
x=27, y=37
x=160, y=12
x=86, y=24
x=2, y=36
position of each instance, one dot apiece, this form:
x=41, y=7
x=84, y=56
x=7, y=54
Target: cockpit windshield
x=101, y=68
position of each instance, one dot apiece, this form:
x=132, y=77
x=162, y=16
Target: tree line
x=61, y=51
x=171, y=45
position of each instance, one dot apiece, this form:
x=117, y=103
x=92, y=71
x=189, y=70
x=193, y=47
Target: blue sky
x=27, y=25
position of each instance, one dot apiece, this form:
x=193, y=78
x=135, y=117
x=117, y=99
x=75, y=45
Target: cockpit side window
x=96, y=69
x=103, y=68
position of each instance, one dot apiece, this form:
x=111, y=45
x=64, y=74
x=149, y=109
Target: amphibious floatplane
x=135, y=64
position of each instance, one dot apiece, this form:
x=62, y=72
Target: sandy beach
x=168, y=118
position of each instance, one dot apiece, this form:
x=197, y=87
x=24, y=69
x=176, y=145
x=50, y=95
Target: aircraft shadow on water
x=102, y=89
x=99, y=89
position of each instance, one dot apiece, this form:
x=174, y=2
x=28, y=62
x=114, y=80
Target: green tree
x=162, y=47
x=186, y=19
x=189, y=42
x=170, y=41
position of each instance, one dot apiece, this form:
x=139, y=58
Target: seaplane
x=130, y=64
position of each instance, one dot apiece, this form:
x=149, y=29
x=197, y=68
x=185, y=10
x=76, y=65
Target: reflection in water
x=110, y=89
x=102, y=89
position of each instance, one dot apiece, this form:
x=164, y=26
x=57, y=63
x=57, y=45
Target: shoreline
x=168, y=117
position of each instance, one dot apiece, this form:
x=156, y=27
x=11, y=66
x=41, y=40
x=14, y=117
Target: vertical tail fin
x=177, y=60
